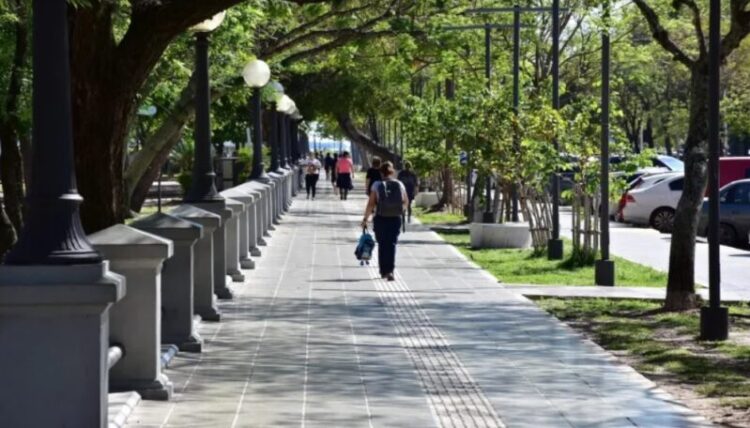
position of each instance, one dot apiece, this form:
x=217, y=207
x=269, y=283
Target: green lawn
x=524, y=267
x=664, y=344
x=439, y=218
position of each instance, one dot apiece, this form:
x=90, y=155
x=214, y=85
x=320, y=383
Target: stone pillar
x=54, y=336
x=135, y=321
x=220, y=255
x=232, y=261
x=177, y=279
x=203, y=291
x=255, y=224
x=278, y=180
x=246, y=222
x=267, y=209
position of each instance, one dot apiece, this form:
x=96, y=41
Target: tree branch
x=661, y=35
x=690, y=4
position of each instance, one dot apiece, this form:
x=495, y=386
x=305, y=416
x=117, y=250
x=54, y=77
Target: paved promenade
x=312, y=339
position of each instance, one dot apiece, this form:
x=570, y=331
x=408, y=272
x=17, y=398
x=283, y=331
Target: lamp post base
x=555, y=249
x=604, y=273
x=714, y=323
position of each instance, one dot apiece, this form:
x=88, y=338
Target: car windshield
x=672, y=163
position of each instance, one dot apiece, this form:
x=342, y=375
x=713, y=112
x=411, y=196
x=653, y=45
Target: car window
x=673, y=164
x=677, y=184
x=739, y=194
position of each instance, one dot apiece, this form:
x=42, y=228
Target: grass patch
x=442, y=218
x=665, y=344
x=525, y=267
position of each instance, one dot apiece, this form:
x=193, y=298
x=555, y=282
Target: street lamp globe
x=284, y=104
x=256, y=74
x=277, y=87
x=210, y=24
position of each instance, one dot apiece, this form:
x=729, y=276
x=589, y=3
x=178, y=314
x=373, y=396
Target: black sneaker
x=390, y=277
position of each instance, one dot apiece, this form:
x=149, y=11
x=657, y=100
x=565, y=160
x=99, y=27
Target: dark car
x=734, y=208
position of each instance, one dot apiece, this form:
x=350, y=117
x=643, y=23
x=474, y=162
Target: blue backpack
x=366, y=244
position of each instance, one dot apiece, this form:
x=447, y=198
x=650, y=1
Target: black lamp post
x=273, y=140
x=256, y=74
x=52, y=233
x=555, y=244
x=604, y=269
x=203, y=186
x=714, y=317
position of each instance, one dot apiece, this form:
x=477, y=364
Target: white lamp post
x=256, y=75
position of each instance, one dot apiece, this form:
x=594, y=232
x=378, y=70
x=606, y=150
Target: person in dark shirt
x=328, y=164
x=373, y=174
x=411, y=183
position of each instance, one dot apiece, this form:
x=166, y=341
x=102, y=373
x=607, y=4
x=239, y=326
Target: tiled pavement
x=313, y=339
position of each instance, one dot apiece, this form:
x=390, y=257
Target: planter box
x=504, y=235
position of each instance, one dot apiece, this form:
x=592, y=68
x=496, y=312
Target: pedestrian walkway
x=312, y=339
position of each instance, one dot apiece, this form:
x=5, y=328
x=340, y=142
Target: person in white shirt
x=312, y=173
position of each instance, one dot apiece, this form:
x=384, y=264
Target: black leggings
x=311, y=183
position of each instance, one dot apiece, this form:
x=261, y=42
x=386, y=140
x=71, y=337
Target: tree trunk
x=7, y=233
x=648, y=134
x=140, y=192
x=355, y=135
x=681, y=284
x=11, y=171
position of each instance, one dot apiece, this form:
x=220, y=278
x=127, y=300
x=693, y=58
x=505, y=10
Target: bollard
x=135, y=321
x=232, y=260
x=204, y=303
x=220, y=256
x=247, y=223
x=177, y=279
x=54, y=332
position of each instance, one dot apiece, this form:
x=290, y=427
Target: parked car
x=653, y=201
x=658, y=161
x=734, y=214
x=635, y=180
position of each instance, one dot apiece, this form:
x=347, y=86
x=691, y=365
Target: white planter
x=426, y=199
x=505, y=235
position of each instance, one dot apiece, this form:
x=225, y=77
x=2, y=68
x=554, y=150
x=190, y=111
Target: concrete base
x=714, y=323
x=135, y=321
x=247, y=264
x=255, y=251
x=262, y=242
x=54, y=331
x=193, y=344
x=504, y=235
x=555, y=249
x=160, y=389
x=203, y=268
x=177, y=278
x=604, y=273
x=426, y=199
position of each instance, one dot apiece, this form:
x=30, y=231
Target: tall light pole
x=714, y=317
x=256, y=75
x=203, y=185
x=555, y=244
x=604, y=269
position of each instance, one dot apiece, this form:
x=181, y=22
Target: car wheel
x=663, y=220
x=727, y=234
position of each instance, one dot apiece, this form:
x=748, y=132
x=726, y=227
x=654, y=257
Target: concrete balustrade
x=220, y=254
x=203, y=269
x=177, y=279
x=54, y=324
x=278, y=204
x=232, y=243
x=135, y=321
x=247, y=224
x=263, y=210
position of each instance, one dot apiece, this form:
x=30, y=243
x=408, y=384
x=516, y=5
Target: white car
x=653, y=201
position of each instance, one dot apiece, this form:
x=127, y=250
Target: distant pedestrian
x=344, y=173
x=411, y=183
x=333, y=173
x=328, y=163
x=312, y=174
x=373, y=174
x=388, y=200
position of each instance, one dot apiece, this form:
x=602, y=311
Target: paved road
x=651, y=248
x=312, y=339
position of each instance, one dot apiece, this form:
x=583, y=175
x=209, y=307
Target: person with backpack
x=411, y=183
x=388, y=200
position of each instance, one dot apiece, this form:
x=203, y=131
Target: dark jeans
x=311, y=183
x=387, y=230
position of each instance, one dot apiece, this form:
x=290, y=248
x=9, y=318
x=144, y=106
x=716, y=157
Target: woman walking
x=411, y=183
x=388, y=199
x=312, y=174
x=344, y=172
x=333, y=173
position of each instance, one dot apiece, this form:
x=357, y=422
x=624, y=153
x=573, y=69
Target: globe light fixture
x=284, y=104
x=210, y=24
x=256, y=74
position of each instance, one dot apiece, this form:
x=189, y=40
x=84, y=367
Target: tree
x=672, y=35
